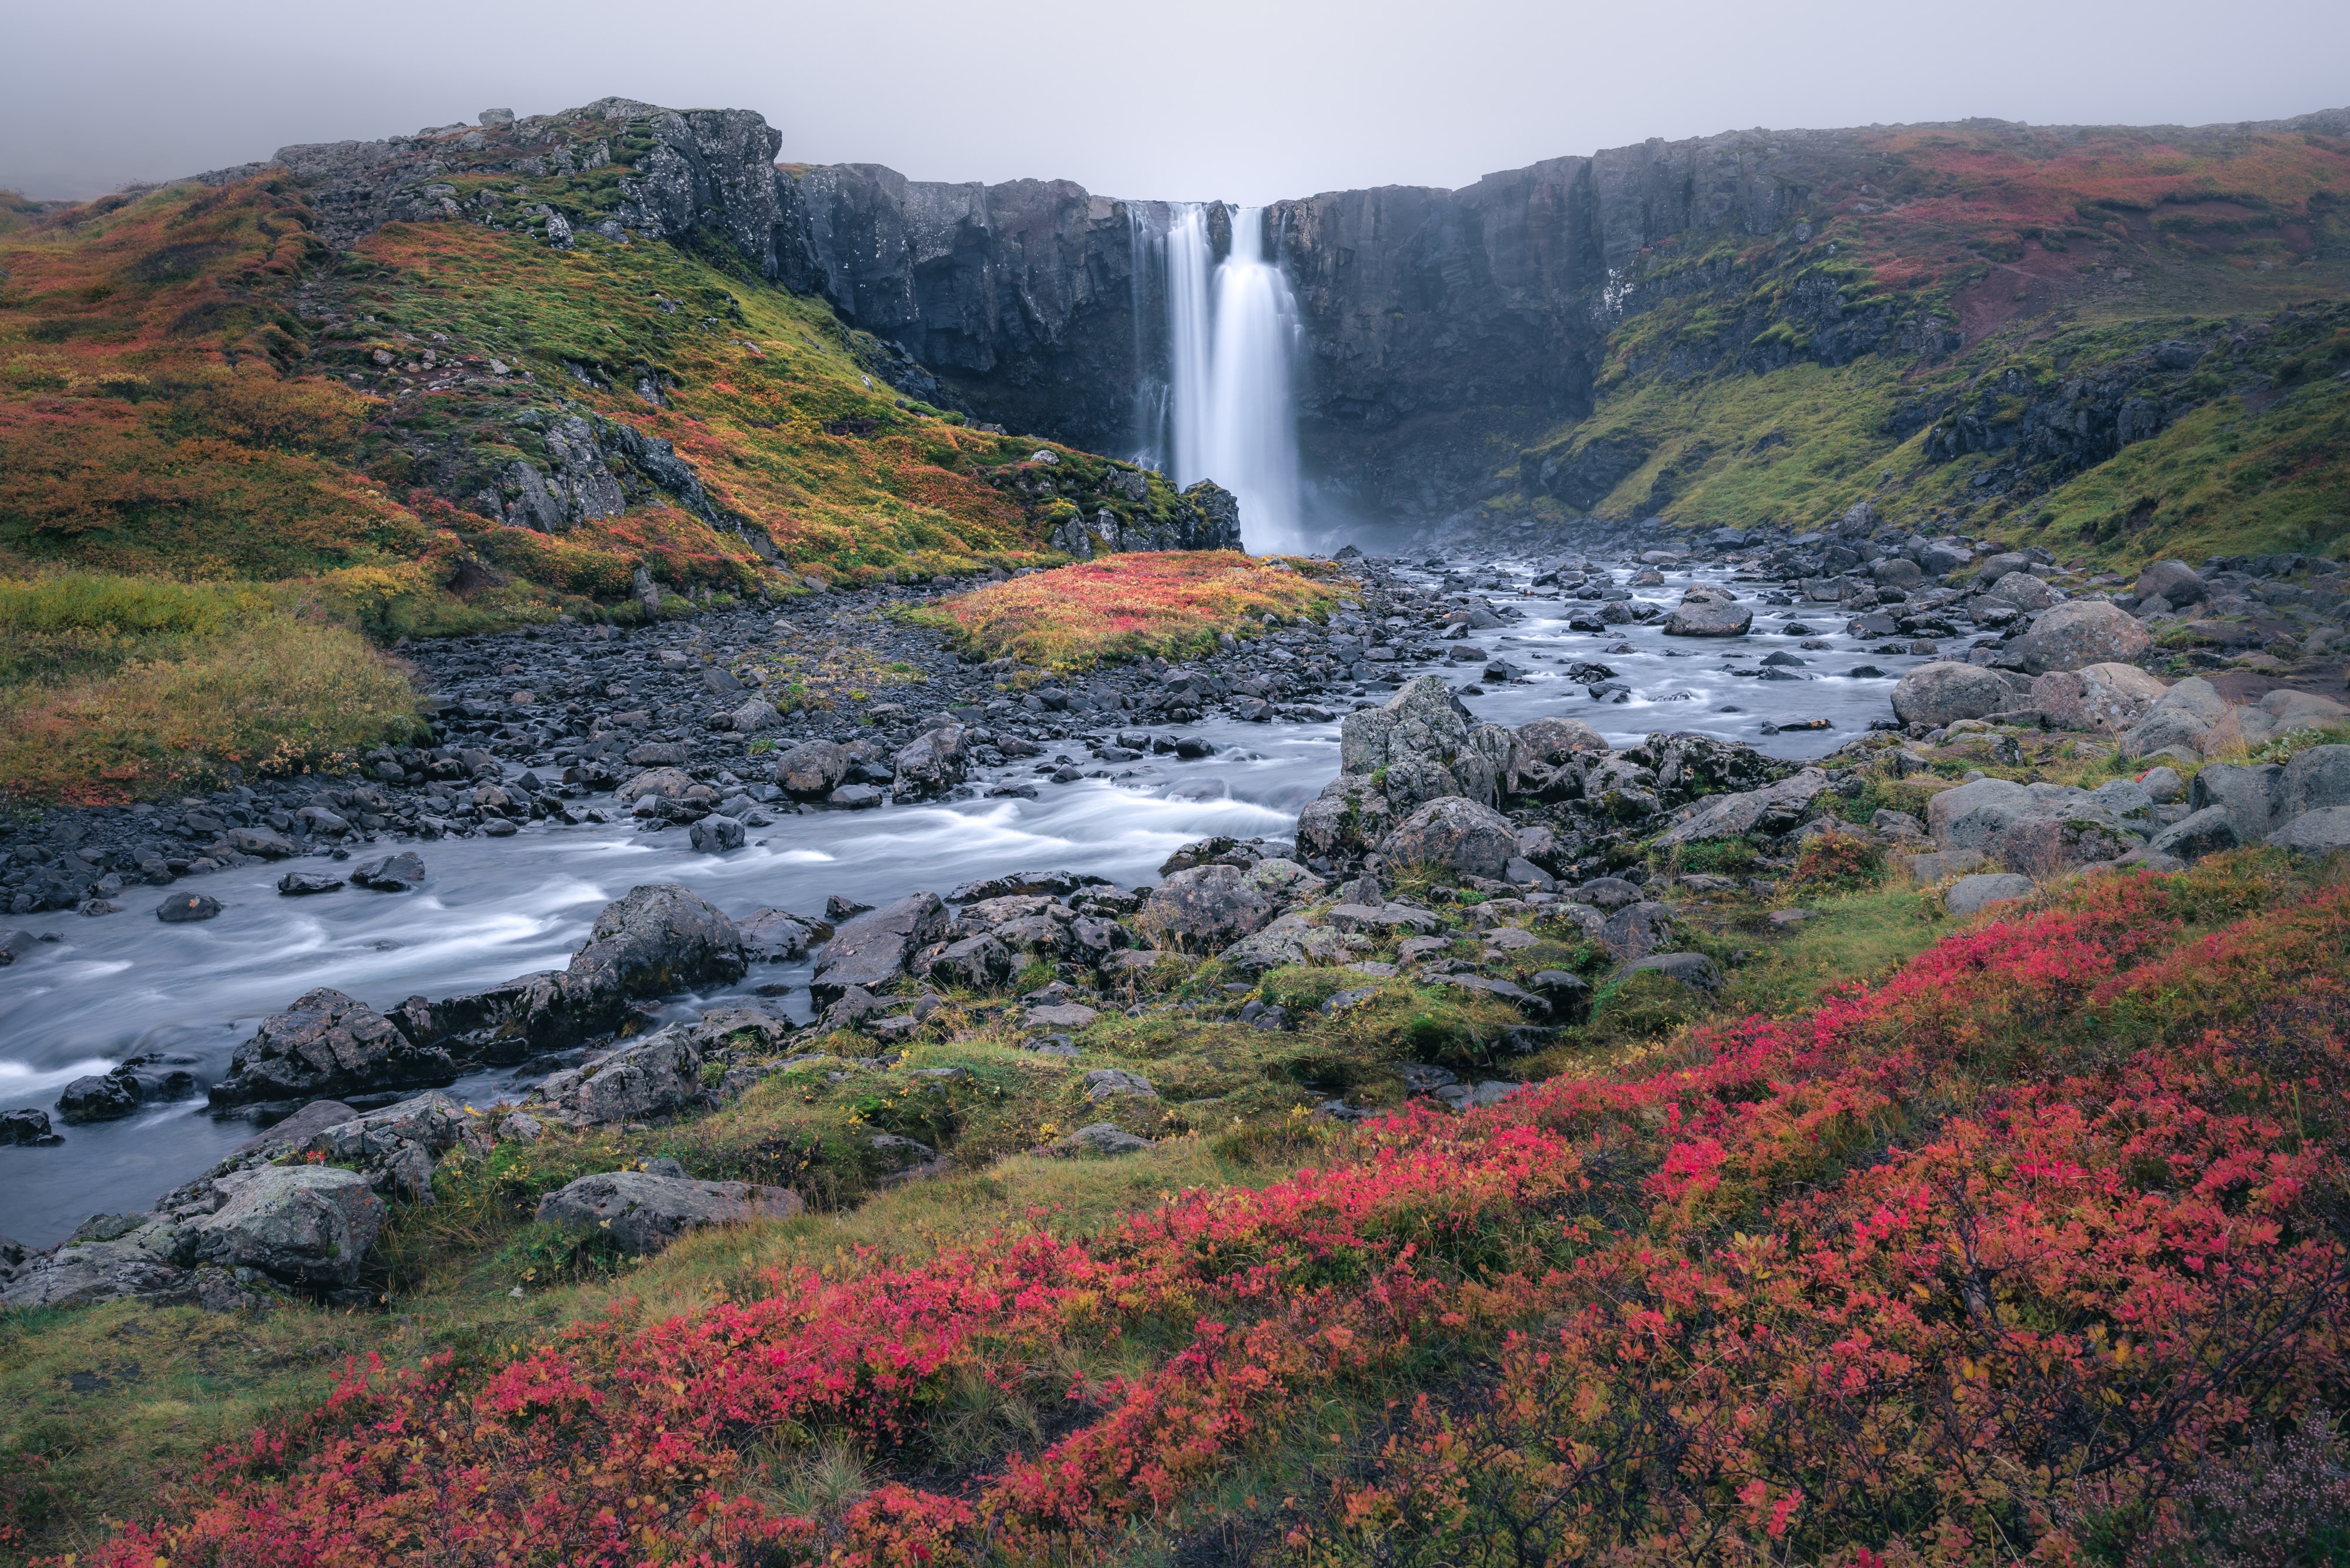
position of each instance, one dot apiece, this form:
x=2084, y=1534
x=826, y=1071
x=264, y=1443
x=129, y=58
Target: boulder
x=1111, y=1083
x=1943, y=692
x=149, y=1263
x=28, y=1128
x=2315, y=834
x=1971, y=814
x=2083, y=632
x=2023, y=590
x=391, y=873
x=183, y=908
x=1424, y=743
x=776, y=936
x=812, y=770
x=2103, y=698
x=298, y=884
x=874, y=949
x=1456, y=834
x=715, y=835
x=1774, y=809
x=328, y=1043
x=2174, y=581
x=977, y=963
x=1102, y=1139
x=666, y=784
x=1970, y=894
x=1708, y=612
x=660, y=937
x=2205, y=832
x=301, y=1225
x=929, y=765
x=2315, y=780
x=2250, y=796
x=1693, y=969
x=2180, y=717
x=1281, y=943
x=99, y=1097
x=659, y=1075
x=1206, y=907
x=644, y=1213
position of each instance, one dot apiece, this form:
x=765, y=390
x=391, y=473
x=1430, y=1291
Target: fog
x=1248, y=102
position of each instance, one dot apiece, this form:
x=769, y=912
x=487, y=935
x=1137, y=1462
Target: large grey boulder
x=397, y=1147
x=2205, y=832
x=977, y=963
x=2180, y=718
x=1971, y=894
x=302, y=1225
x=2173, y=581
x=1281, y=943
x=1456, y=834
x=812, y=770
x=2082, y=632
x=1708, y=612
x=149, y=1262
x=1556, y=740
x=1350, y=816
x=1774, y=809
x=2315, y=780
x=1205, y=908
x=2249, y=795
x=2103, y=698
x=1424, y=743
x=328, y=1043
x=2023, y=590
x=1970, y=815
x=2041, y=827
x=874, y=949
x=658, y=1075
x=1943, y=692
x=660, y=938
x=2315, y=834
x=666, y=784
x=644, y=1213
x=929, y=765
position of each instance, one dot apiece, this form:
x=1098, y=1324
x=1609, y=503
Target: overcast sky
x=1246, y=101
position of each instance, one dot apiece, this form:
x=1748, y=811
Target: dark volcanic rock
x=874, y=947
x=326, y=1045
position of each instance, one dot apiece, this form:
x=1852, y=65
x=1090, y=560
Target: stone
x=1281, y=943
x=929, y=766
x=812, y=770
x=1205, y=908
x=2180, y=717
x=658, y=1075
x=1554, y=741
x=975, y=964
x=260, y=844
x=1637, y=930
x=1454, y=833
x=1069, y=1016
x=2250, y=796
x=1943, y=692
x=644, y=1211
x=715, y=835
x=16, y=944
x=777, y=935
x=1111, y=1083
x=2315, y=780
x=303, y=1225
x=1424, y=743
x=1102, y=1139
x=1970, y=894
x=98, y=1098
x=2082, y=632
x=149, y=1263
x=391, y=874
x=2162, y=786
x=181, y=907
x=1708, y=612
x=2101, y=699
x=328, y=1043
x=665, y=784
x=297, y=884
x=2315, y=834
x=2173, y=581
x=874, y=947
x=1969, y=815
x=2293, y=710
x=2023, y=590
x=1693, y=969
x=2205, y=832
x=1774, y=809
x=26, y=1128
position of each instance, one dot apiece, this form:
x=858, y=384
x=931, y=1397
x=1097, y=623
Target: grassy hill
x=2115, y=342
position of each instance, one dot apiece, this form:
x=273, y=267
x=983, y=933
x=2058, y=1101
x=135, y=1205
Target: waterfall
x=1230, y=336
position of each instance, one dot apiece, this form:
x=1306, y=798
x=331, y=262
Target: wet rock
x=2101, y=699
x=1944, y=692
x=812, y=770
x=1455, y=834
x=716, y=834
x=298, y=884
x=181, y=907
x=1708, y=612
x=99, y=1098
x=658, y=1075
x=16, y=944
x=26, y=1128
x=391, y=874
x=777, y=935
x=303, y=1225
x=930, y=765
x=2083, y=632
x=644, y=1213
x=328, y=1043
x=874, y=947
x=1206, y=907
x=1774, y=809
x=1970, y=894
x=1424, y=745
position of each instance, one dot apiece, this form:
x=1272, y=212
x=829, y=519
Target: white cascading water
x=1229, y=342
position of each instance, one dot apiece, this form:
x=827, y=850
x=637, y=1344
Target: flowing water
x=1231, y=337
x=495, y=907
